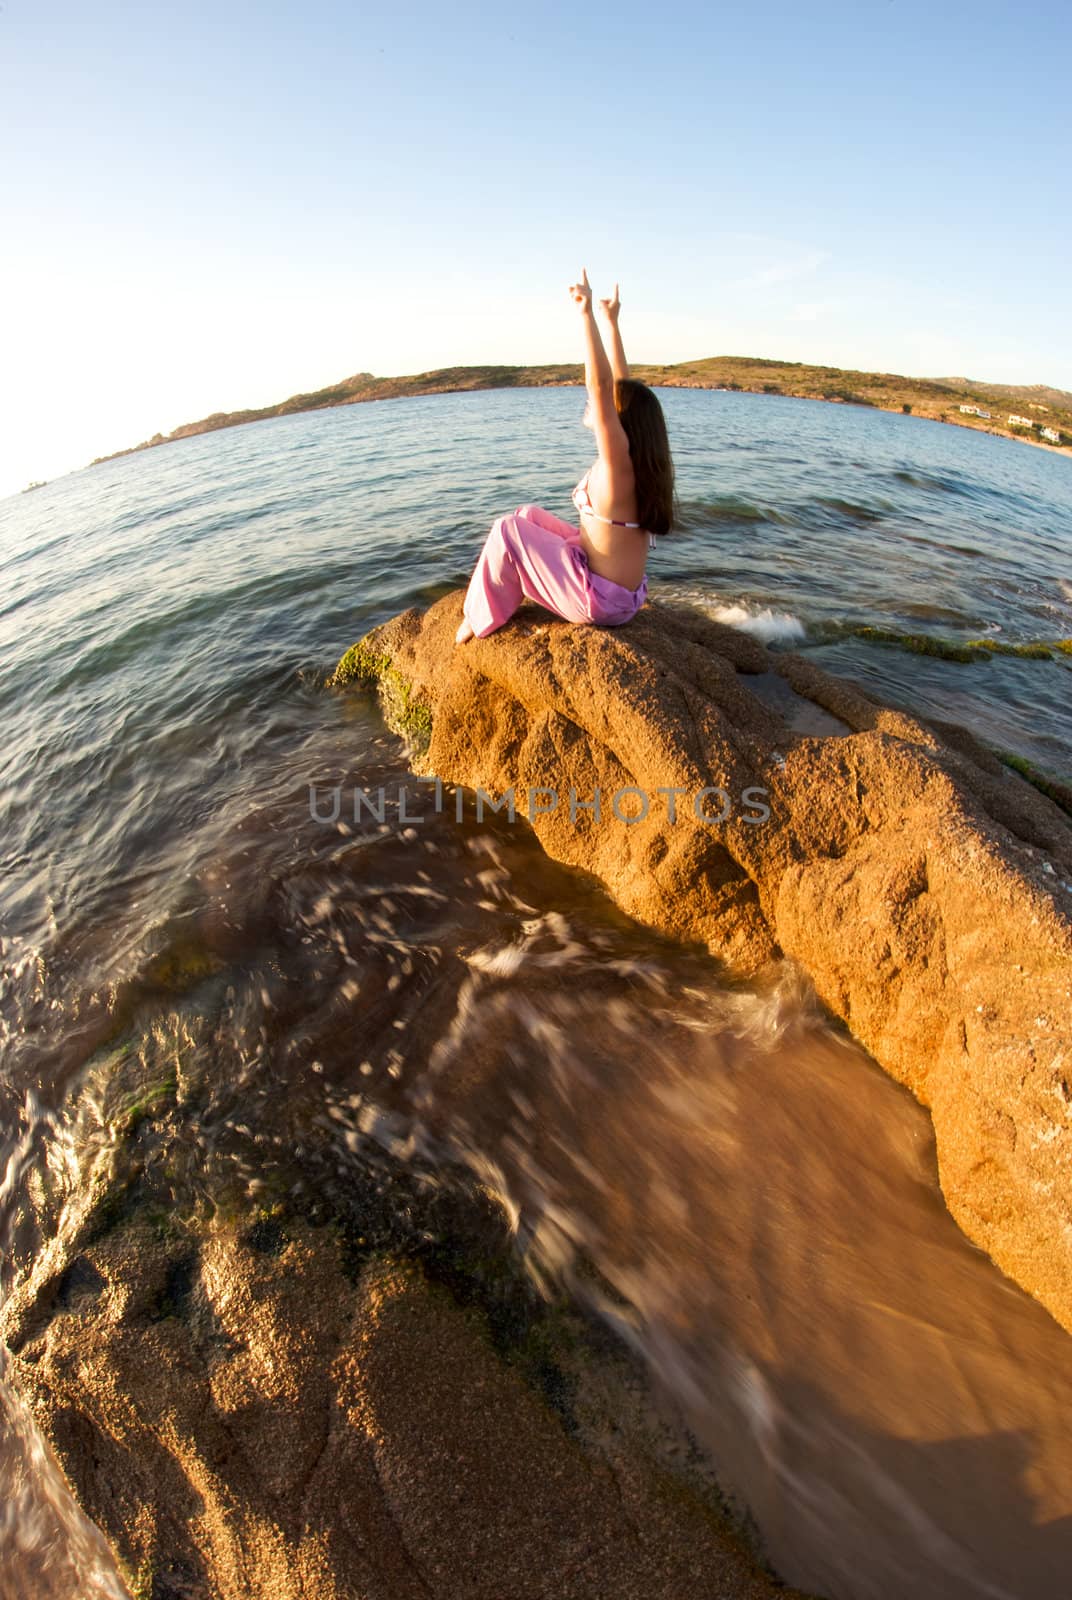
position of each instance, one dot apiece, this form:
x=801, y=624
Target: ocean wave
x=925, y=480
x=730, y=509
x=764, y=624
x=926, y=611
x=855, y=510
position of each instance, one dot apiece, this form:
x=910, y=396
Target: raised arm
x=610, y=309
x=610, y=436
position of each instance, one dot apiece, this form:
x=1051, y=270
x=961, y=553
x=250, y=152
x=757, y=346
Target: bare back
x=618, y=553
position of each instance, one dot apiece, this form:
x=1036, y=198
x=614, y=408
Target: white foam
x=766, y=625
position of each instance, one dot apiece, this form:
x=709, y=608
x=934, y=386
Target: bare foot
x=464, y=632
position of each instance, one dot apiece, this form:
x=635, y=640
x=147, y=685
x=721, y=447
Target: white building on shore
x=1020, y=422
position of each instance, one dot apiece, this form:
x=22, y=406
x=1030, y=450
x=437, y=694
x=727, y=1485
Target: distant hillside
x=1060, y=398
x=936, y=398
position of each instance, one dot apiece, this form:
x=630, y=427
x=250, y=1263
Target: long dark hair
x=642, y=418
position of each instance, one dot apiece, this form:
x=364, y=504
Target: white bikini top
x=583, y=501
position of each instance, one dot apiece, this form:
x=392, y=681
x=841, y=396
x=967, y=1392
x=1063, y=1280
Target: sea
x=180, y=929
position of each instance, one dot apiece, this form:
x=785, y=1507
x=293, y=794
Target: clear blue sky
x=206, y=207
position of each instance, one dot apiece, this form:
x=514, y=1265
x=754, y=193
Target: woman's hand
x=582, y=292
x=610, y=308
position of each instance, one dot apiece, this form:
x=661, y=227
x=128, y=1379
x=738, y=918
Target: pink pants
x=535, y=554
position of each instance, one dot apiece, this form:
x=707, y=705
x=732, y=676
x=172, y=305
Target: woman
x=593, y=573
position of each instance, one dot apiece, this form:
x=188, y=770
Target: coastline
x=931, y=399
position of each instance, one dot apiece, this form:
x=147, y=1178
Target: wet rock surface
x=923, y=886
x=301, y=1405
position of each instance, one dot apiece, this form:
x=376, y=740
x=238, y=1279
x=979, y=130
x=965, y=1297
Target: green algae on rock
x=1059, y=793
x=928, y=644
x=923, y=644
x=1001, y=647
x=404, y=711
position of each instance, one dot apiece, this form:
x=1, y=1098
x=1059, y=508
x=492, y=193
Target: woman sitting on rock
x=594, y=573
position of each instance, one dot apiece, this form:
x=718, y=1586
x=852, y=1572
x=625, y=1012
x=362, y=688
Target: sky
x=215, y=206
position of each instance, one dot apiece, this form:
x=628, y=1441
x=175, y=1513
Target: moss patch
x=1033, y=652
x=362, y=663
x=964, y=650
x=922, y=643
x=148, y=1102
x=182, y=966
x=113, y=1203
x=404, y=711
x=139, y=1581
x=1059, y=793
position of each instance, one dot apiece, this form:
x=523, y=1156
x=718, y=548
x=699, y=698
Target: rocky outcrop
x=779, y=812
x=264, y=1407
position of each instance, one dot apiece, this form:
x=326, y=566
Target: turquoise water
x=167, y=625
